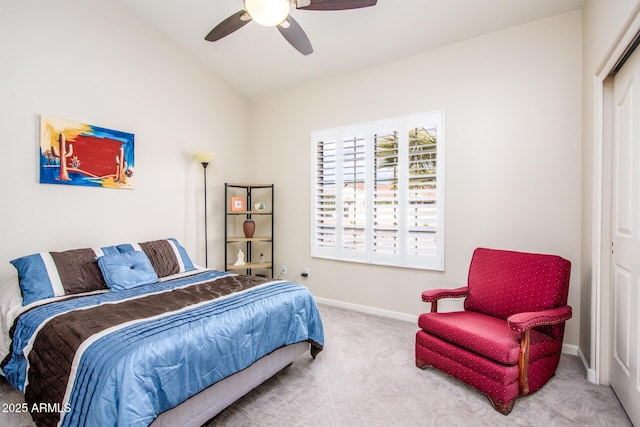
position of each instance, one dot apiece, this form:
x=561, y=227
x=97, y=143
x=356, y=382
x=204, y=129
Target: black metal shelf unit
x=253, y=202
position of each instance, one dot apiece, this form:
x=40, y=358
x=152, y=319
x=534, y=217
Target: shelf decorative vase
x=249, y=227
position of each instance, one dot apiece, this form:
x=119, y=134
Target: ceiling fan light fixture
x=268, y=12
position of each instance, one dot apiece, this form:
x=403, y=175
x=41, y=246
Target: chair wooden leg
x=503, y=408
x=420, y=364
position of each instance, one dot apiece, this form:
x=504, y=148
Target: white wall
x=513, y=151
x=94, y=62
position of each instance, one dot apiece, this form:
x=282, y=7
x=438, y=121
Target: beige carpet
x=366, y=376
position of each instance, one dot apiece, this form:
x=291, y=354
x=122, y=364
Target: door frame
x=601, y=316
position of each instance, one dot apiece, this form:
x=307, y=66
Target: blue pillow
x=127, y=270
x=53, y=274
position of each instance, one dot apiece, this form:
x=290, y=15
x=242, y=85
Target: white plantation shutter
x=422, y=212
x=378, y=192
x=386, y=209
x=325, y=195
x=353, y=194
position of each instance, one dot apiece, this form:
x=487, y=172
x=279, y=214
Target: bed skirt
x=198, y=409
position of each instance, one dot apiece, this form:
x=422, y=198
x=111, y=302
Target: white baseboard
x=574, y=350
x=571, y=349
x=369, y=310
x=591, y=373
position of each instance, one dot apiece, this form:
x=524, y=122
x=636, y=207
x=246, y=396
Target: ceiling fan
x=272, y=13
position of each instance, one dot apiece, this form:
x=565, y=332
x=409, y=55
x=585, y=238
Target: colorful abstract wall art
x=80, y=154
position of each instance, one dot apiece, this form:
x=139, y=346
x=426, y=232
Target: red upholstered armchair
x=507, y=341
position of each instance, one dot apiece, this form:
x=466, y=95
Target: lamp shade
x=204, y=156
x=268, y=12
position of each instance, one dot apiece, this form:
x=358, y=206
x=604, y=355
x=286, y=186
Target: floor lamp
x=204, y=159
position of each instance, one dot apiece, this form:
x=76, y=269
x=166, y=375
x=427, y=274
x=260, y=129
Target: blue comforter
x=130, y=370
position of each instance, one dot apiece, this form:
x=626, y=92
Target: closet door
x=625, y=280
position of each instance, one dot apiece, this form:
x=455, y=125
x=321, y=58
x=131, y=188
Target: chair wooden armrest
x=433, y=295
x=523, y=322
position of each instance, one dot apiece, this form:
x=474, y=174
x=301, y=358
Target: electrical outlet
x=307, y=272
x=283, y=270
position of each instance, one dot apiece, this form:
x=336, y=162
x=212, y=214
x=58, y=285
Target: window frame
x=367, y=132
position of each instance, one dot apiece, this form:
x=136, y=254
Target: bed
x=135, y=334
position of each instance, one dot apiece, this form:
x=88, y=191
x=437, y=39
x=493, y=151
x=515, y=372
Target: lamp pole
x=206, y=237
x=204, y=158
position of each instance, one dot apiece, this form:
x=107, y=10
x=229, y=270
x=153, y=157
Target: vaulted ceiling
x=258, y=61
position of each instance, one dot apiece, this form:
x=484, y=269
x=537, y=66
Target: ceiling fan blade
x=334, y=4
x=228, y=26
x=296, y=36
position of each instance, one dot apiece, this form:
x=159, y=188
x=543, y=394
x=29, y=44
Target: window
x=378, y=192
